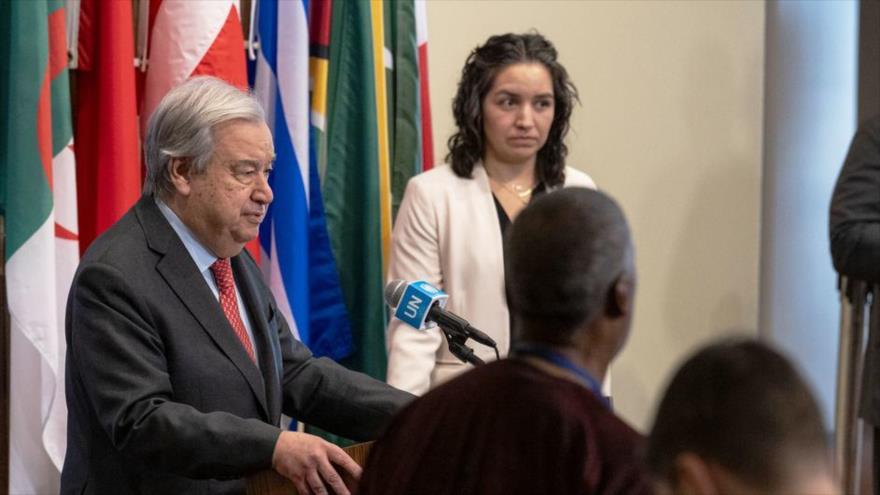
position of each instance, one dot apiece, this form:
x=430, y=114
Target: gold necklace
x=522, y=193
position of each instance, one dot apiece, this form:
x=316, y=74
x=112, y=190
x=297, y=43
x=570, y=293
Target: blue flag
x=296, y=258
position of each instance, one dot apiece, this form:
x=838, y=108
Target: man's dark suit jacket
x=855, y=239
x=162, y=396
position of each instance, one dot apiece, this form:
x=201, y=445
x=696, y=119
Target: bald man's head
x=564, y=254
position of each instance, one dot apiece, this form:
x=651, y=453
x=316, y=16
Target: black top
x=504, y=222
x=503, y=219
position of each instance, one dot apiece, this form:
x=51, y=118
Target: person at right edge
x=536, y=422
x=512, y=111
x=737, y=417
x=855, y=250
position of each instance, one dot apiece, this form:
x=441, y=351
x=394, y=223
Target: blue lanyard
x=551, y=356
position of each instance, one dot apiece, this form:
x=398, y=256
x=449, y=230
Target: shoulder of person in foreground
x=452, y=440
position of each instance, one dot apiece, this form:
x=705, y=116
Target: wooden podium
x=269, y=482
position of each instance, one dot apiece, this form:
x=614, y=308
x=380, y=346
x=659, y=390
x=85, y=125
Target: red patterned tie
x=222, y=271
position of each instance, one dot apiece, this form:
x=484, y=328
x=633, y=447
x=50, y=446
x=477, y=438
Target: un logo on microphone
x=417, y=300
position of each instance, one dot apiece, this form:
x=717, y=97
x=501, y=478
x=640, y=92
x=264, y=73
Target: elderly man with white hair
x=179, y=364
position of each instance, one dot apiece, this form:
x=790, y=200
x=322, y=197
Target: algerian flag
x=38, y=203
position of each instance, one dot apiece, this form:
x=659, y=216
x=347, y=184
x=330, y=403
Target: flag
x=424, y=91
x=372, y=125
x=296, y=258
x=407, y=74
x=356, y=178
x=109, y=171
x=190, y=38
x=319, y=64
x=38, y=203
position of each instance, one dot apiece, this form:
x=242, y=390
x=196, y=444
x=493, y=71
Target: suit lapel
x=269, y=353
x=180, y=272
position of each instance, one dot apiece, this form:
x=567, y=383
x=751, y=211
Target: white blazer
x=447, y=233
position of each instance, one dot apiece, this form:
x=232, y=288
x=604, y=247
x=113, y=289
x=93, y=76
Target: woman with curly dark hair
x=512, y=110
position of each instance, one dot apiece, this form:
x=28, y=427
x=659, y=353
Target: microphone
x=420, y=302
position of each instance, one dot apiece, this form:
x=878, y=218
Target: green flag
x=373, y=146
x=403, y=96
x=369, y=148
x=351, y=186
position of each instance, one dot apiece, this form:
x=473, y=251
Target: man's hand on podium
x=312, y=463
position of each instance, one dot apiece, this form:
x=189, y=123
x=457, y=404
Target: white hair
x=182, y=127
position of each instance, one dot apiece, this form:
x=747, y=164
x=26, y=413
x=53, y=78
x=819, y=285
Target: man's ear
x=620, y=298
x=693, y=476
x=179, y=170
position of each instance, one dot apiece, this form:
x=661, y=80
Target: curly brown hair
x=466, y=146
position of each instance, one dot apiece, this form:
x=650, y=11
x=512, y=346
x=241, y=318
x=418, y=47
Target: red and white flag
x=189, y=38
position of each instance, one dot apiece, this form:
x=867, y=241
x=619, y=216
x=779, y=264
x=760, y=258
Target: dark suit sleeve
x=855, y=208
x=114, y=347
x=322, y=393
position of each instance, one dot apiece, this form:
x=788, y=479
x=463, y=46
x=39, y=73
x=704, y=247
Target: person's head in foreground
x=738, y=418
x=535, y=422
x=512, y=107
x=571, y=277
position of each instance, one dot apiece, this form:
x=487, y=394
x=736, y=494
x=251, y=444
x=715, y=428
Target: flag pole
x=142, y=26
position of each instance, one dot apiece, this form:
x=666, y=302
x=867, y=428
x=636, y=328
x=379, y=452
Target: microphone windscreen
x=394, y=291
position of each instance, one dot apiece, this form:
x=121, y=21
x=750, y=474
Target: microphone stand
x=456, y=341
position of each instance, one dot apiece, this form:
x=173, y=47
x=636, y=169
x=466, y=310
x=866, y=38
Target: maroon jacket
x=506, y=428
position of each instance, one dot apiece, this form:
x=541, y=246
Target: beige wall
x=670, y=125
